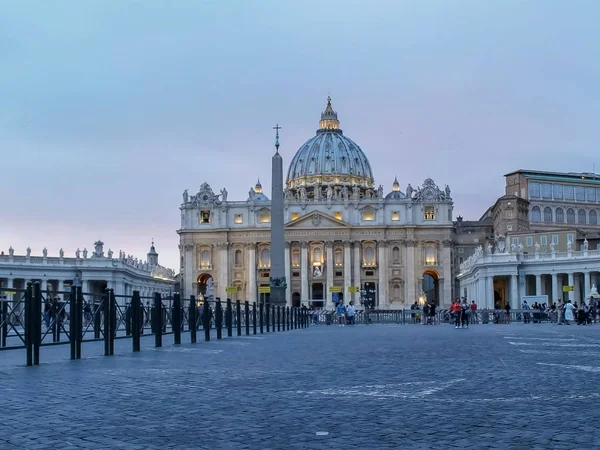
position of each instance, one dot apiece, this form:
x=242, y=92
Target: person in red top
x=473, y=311
x=456, y=311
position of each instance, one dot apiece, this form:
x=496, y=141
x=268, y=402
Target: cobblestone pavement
x=367, y=387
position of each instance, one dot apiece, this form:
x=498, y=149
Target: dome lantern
x=396, y=185
x=329, y=120
x=258, y=187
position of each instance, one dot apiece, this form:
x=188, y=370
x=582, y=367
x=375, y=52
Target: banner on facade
x=353, y=289
x=335, y=289
x=264, y=289
x=568, y=288
x=231, y=289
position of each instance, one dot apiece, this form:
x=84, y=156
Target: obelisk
x=278, y=282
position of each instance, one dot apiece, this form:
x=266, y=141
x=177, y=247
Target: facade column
x=223, y=270
x=555, y=294
x=329, y=271
x=571, y=283
x=189, y=270
x=490, y=293
x=61, y=288
x=538, y=285
x=411, y=296
x=382, y=266
x=304, y=294
x=514, y=292
x=586, y=285
x=347, y=274
x=446, y=299
x=287, y=274
x=251, y=291
x=357, y=271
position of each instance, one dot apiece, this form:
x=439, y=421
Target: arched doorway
x=296, y=303
x=205, y=287
x=431, y=283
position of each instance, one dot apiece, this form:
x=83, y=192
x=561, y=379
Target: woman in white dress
x=568, y=312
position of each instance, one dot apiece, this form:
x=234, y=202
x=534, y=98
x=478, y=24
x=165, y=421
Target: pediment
x=317, y=220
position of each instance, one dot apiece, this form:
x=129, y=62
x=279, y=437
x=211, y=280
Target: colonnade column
x=304, y=294
x=347, y=273
x=288, y=278
x=61, y=288
x=188, y=261
x=490, y=293
x=357, y=269
x=514, y=292
x=586, y=283
x=223, y=269
x=571, y=283
x=251, y=290
x=410, y=272
x=555, y=295
x=538, y=285
x=329, y=271
x=447, y=273
x=383, y=275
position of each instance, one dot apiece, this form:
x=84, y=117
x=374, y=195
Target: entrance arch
x=296, y=303
x=431, y=284
x=205, y=286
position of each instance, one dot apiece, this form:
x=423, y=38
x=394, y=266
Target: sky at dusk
x=109, y=110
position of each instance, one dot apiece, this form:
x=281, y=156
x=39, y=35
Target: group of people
x=345, y=314
x=460, y=311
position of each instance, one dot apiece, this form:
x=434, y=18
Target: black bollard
x=157, y=319
x=206, y=320
x=254, y=317
x=229, y=318
x=261, y=313
x=238, y=317
x=268, y=317
x=29, y=322
x=278, y=318
x=176, y=318
x=192, y=319
x=273, y=317
x=219, y=318
x=247, y=317
x=136, y=311
x=106, y=304
x=37, y=322
x=113, y=324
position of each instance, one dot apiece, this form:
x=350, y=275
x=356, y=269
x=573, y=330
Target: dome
x=329, y=158
x=395, y=194
x=256, y=193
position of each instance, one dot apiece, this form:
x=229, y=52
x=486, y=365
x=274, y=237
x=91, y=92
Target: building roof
x=572, y=176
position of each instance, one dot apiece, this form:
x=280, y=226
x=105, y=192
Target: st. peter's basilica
x=346, y=237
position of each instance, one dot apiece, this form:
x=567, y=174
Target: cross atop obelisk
x=278, y=282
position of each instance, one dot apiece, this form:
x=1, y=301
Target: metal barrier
x=31, y=318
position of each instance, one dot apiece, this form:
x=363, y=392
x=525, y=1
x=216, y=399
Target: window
x=476, y=240
x=515, y=242
x=265, y=258
x=238, y=218
x=546, y=190
x=529, y=241
x=555, y=239
x=264, y=216
x=369, y=256
x=337, y=215
x=296, y=257
x=590, y=195
x=295, y=216
x=568, y=192
x=317, y=256
x=430, y=257
x=395, y=216
x=534, y=190
x=460, y=260
x=396, y=255
x=368, y=215
x=543, y=241
x=580, y=193
x=593, y=217
x=238, y=258
x=205, y=216
x=560, y=215
x=429, y=213
x=508, y=227
x=338, y=256
x=558, y=191
x=570, y=215
x=536, y=215
x=461, y=250
x=581, y=216
x=598, y=194
x=205, y=259
x=547, y=214
x=570, y=238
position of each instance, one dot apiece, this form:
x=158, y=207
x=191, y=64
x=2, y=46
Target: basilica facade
x=346, y=238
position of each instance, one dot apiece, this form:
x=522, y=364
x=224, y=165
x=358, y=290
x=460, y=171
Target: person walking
x=569, y=312
x=455, y=309
x=473, y=311
x=341, y=313
x=507, y=309
x=351, y=313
